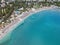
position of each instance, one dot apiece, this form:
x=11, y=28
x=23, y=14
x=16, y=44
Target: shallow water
x=42, y=28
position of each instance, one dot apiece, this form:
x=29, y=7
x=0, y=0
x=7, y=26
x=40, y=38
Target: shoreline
x=19, y=20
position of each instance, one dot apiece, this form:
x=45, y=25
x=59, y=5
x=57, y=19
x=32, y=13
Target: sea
x=41, y=28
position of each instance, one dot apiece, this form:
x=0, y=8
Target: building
x=31, y=0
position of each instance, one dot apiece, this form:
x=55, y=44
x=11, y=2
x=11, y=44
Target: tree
x=45, y=0
x=56, y=0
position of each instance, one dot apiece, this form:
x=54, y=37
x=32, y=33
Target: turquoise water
x=42, y=28
x=6, y=38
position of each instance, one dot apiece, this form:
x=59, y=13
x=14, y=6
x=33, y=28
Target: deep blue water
x=42, y=28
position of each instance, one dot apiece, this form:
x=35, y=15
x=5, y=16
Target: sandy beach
x=18, y=21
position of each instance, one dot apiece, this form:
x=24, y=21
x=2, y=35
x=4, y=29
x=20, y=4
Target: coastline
x=6, y=38
x=20, y=19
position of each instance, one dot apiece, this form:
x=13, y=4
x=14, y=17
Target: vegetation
x=16, y=5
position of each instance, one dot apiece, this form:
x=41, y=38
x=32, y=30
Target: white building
x=2, y=3
x=32, y=0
